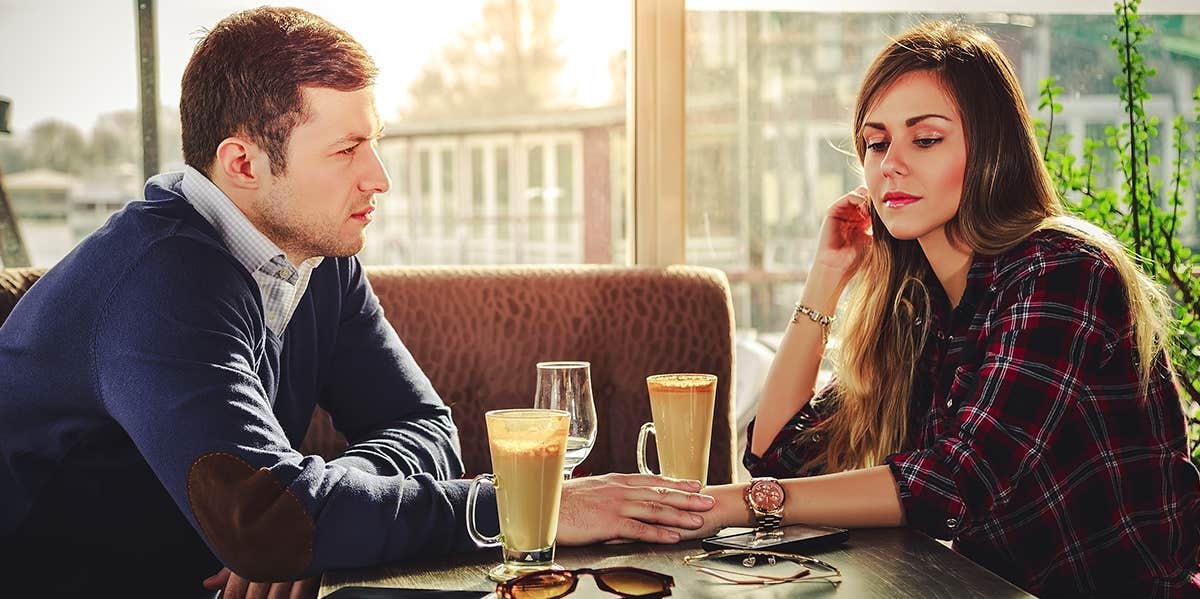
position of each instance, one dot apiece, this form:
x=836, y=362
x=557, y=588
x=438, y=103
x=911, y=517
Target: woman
x=1002, y=380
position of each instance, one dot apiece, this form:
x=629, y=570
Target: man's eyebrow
x=908, y=122
x=357, y=139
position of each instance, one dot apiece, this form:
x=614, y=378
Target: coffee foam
x=681, y=383
x=530, y=447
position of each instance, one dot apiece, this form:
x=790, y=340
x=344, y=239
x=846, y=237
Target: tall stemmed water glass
x=568, y=386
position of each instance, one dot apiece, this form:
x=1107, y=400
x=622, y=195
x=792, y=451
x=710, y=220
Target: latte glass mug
x=682, y=408
x=527, y=448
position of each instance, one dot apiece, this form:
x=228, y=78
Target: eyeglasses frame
x=834, y=577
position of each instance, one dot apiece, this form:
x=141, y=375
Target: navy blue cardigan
x=141, y=363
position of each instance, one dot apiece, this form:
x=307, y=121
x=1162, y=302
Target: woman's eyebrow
x=908, y=122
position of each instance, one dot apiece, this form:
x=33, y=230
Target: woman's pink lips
x=897, y=199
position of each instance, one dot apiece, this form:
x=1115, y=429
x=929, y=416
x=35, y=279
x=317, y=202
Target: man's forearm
x=408, y=447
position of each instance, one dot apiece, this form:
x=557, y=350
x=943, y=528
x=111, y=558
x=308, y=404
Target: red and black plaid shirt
x=1035, y=448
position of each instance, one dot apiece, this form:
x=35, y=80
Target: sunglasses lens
x=541, y=585
x=633, y=583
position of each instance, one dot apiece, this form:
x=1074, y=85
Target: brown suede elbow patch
x=258, y=528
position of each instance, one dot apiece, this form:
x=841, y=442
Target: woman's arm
x=793, y=373
x=792, y=377
x=865, y=498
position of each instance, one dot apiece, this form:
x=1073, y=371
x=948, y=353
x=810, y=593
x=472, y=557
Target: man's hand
x=635, y=507
x=236, y=587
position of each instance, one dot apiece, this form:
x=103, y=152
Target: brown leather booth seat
x=478, y=333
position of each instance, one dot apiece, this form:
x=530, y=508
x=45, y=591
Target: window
x=475, y=109
x=502, y=190
x=74, y=150
x=769, y=95
x=479, y=177
x=499, y=169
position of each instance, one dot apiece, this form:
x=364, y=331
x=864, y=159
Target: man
x=157, y=380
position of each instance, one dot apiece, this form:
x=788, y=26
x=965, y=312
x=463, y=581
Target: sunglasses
x=624, y=581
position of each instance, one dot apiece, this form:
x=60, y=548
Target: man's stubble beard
x=296, y=236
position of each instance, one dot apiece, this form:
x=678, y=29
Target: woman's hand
x=729, y=509
x=845, y=235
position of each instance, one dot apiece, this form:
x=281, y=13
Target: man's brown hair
x=245, y=77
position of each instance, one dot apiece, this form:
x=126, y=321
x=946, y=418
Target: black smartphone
x=796, y=538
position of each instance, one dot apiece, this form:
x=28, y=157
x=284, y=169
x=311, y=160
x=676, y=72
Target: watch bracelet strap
x=768, y=521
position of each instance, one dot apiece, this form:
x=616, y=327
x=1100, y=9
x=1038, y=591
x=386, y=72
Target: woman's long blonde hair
x=1007, y=195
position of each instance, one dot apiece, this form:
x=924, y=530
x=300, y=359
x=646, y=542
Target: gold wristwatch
x=764, y=497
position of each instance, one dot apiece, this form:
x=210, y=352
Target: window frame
x=656, y=145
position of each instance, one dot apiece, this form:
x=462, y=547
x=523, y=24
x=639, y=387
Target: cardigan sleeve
x=176, y=358
x=378, y=396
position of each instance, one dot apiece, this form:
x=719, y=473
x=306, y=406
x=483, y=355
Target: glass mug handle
x=646, y=430
x=472, y=497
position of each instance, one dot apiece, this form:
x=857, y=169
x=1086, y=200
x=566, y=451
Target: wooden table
x=874, y=563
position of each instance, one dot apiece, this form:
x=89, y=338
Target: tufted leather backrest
x=478, y=333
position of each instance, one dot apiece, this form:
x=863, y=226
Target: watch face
x=767, y=495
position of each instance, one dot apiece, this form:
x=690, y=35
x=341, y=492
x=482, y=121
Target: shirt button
x=949, y=403
x=952, y=523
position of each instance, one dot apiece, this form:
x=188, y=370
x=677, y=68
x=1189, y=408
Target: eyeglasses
x=623, y=580
x=750, y=558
